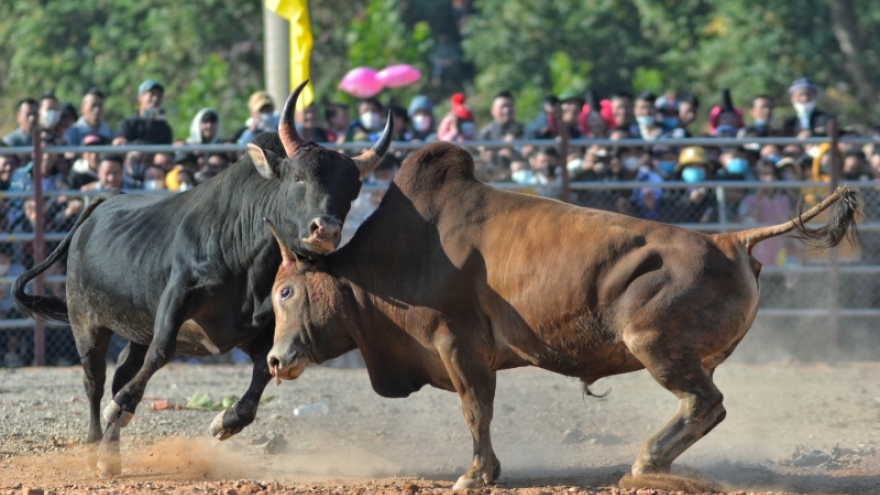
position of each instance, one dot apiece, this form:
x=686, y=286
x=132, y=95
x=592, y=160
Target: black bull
x=192, y=272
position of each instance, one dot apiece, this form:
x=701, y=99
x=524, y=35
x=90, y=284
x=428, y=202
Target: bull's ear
x=265, y=161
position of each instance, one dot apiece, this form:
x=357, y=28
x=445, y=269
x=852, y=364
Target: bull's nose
x=324, y=228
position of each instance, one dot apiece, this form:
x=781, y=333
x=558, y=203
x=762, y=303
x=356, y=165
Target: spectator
x=369, y=124
x=697, y=204
x=8, y=164
x=571, y=104
x=541, y=169
x=164, y=161
x=421, y=116
x=646, y=117
x=667, y=116
x=26, y=116
x=154, y=178
x=110, y=173
x=186, y=180
x=49, y=119
x=216, y=163
x=135, y=166
x=400, y=129
x=445, y=61
x=725, y=115
x=53, y=179
x=622, y=111
x=664, y=161
x=761, y=112
x=91, y=121
x=307, y=124
x=768, y=207
x=263, y=118
x=148, y=124
x=85, y=170
x=183, y=161
x=735, y=164
x=503, y=127
x=688, y=106
x=856, y=167
x=546, y=124
x=336, y=115
x=204, y=128
x=591, y=121
x=807, y=116
x=458, y=124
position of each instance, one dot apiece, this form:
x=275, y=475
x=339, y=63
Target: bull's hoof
x=224, y=425
x=471, y=480
x=114, y=414
x=107, y=468
x=671, y=483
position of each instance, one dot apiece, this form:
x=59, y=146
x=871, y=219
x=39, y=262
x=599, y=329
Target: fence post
x=565, y=194
x=39, y=244
x=833, y=265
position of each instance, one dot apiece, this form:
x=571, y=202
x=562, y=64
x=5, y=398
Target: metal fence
x=831, y=292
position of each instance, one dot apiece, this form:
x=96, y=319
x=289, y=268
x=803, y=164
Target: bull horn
x=287, y=127
x=287, y=254
x=369, y=160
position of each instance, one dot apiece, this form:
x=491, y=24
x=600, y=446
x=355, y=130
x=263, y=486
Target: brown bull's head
x=317, y=185
x=310, y=315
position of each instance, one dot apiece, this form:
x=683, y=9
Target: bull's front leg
x=121, y=408
x=475, y=384
x=231, y=421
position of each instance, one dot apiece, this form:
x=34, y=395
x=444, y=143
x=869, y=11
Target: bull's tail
x=51, y=308
x=842, y=223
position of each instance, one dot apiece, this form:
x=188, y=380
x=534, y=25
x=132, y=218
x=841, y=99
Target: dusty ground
x=790, y=428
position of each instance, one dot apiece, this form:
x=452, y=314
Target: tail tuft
x=841, y=224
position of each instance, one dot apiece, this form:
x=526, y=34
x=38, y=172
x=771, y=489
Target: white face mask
x=153, y=185
x=421, y=123
x=49, y=118
x=184, y=187
x=630, y=163
x=268, y=121
x=371, y=121
x=804, y=110
x=467, y=129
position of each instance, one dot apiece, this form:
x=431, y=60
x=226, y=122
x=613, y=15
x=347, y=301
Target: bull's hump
x=435, y=166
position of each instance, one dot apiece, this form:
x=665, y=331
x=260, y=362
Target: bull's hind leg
x=91, y=344
x=475, y=384
x=242, y=413
x=130, y=361
x=700, y=409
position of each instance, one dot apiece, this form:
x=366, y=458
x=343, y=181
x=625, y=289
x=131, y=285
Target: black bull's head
x=317, y=185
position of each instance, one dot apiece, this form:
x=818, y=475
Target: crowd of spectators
x=652, y=118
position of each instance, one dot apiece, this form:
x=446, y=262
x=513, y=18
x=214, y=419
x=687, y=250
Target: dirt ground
x=792, y=428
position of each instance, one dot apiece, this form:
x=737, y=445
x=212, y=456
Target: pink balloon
x=399, y=75
x=361, y=82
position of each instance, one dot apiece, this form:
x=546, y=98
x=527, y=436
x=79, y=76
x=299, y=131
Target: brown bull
x=451, y=280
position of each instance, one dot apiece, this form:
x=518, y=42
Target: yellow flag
x=297, y=12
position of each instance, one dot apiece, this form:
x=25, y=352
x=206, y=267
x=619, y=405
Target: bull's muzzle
x=287, y=364
x=324, y=234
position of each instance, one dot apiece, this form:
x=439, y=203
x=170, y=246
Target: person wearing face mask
x=421, y=117
x=368, y=126
x=694, y=204
x=668, y=116
x=261, y=118
x=725, y=116
x=807, y=117
x=49, y=119
x=458, y=125
x=646, y=117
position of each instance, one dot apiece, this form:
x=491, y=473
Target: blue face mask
x=669, y=122
x=772, y=158
x=666, y=166
x=693, y=174
x=737, y=166
x=645, y=121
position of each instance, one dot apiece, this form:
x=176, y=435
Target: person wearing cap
x=421, y=117
x=148, y=124
x=85, y=170
x=807, y=117
x=91, y=121
x=458, y=125
x=697, y=204
x=262, y=117
x=725, y=115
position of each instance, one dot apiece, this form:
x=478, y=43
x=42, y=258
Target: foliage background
x=209, y=53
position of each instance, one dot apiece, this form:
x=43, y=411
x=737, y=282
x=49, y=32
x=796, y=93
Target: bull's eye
x=285, y=293
x=297, y=178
